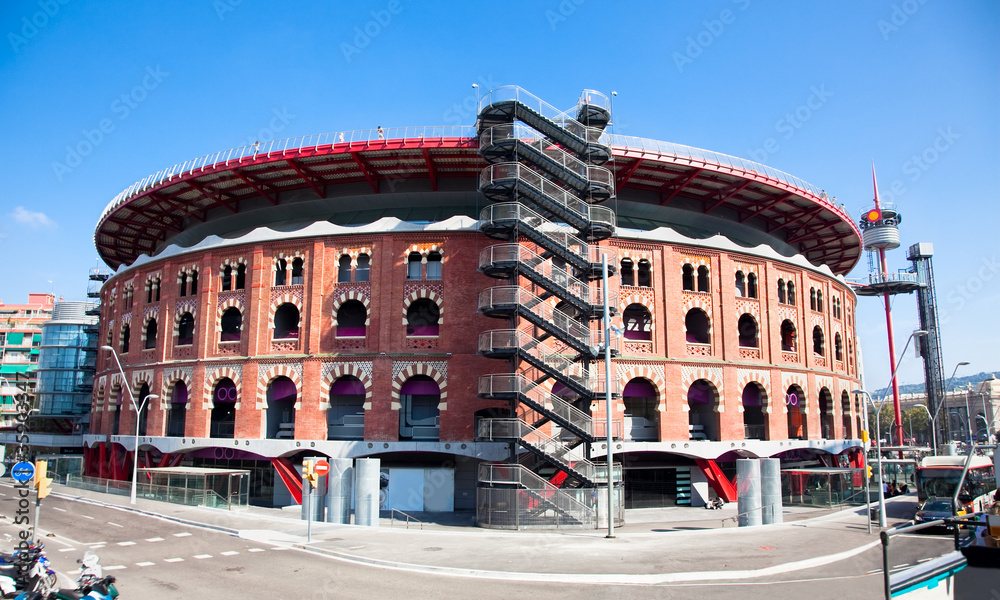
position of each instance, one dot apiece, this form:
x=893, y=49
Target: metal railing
x=162, y=493
x=558, y=277
x=407, y=521
x=513, y=296
x=542, y=490
x=560, y=159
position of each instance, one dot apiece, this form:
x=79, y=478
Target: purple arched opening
x=703, y=418
x=641, y=399
x=754, y=418
x=419, y=415
x=224, y=397
x=345, y=419
x=178, y=410
x=281, y=395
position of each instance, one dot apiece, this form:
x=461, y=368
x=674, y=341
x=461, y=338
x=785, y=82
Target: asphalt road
x=157, y=559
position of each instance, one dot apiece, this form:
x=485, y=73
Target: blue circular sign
x=23, y=471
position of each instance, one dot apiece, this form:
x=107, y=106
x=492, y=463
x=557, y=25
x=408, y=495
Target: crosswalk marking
x=57, y=508
x=115, y=524
x=154, y=539
x=229, y=553
x=115, y=568
x=182, y=534
x=144, y=564
x=173, y=560
x=279, y=548
x=87, y=517
x=126, y=543
x=67, y=549
x=200, y=556
x=255, y=550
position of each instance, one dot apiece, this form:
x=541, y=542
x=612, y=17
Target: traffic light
x=864, y=436
x=868, y=470
x=43, y=483
x=309, y=470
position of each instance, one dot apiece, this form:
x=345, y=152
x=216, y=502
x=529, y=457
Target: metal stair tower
x=545, y=178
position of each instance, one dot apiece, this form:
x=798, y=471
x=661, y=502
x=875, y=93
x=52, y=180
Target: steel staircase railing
x=515, y=474
x=558, y=453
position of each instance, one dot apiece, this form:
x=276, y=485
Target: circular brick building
x=433, y=297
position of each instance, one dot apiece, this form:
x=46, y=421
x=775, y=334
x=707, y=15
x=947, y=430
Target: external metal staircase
x=545, y=176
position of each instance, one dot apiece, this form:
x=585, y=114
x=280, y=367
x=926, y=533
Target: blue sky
x=912, y=85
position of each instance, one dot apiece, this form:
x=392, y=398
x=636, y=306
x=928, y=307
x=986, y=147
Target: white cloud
x=31, y=218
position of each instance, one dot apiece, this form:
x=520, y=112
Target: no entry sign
x=322, y=467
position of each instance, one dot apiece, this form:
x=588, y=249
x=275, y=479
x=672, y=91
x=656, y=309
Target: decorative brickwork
x=423, y=292
x=270, y=372
x=334, y=371
x=170, y=379
x=438, y=371
x=214, y=374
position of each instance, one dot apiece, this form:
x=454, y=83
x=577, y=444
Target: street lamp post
x=933, y=428
x=138, y=418
x=968, y=417
x=944, y=400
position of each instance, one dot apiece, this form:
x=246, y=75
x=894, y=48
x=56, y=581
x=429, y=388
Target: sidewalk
x=655, y=546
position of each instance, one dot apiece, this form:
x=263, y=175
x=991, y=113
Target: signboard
x=321, y=467
x=22, y=472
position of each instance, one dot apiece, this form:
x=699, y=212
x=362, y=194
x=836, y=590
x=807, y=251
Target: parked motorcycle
x=92, y=584
x=26, y=570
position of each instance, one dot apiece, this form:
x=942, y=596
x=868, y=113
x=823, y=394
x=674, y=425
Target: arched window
x=645, y=278
x=183, y=285
x=754, y=418
x=747, y=327
x=697, y=326
x=741, y=286
x=194, y=282
x=422, y=318
x=364, y=268
x=812, y=298
x=345, y=419
x=150, y=334
x=344, y=269
x=144, y=413
x=419, y=411
x=638, y=322
x=413, y=266
x=223, y=417
x=126, y=334
x=819, y=300
x=241, y=276
x=178, y=410
x=826, y=421
x=752, y=285
x=838, y=347
x=797, y=420
x=818, y=341
x=116, y=424
x=687, y=278
x=231, y=324
x=351, y=319
x=627, y=272
x=845, y=415
x=227, y=278
x=297, y=271
x=641, y=422
x=434, y=264
x=185, y=330
x=280, y=272
x=281, y=395
x=850, y=352
x=781, y=291
x=286, y=322
x=791, y=292
x=703, y=415
x=787, y=336
x=703, y=279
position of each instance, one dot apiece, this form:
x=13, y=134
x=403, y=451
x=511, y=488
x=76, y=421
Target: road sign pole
x=309, y=516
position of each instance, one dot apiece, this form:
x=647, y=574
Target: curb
x=219, y=528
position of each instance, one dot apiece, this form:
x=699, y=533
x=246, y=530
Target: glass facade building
x=65, y=376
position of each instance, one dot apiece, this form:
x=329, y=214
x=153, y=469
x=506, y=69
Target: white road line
x=229, y=553
x=92, y=544
x=255, y=550
x=87, y=517
x=925, y=559
x=279, y=548
x=57, y=508
x=115, y=568
x=145, y=564
x=184, y=534
x=173, y=560
x=66, y=550
x=116, y=524
x=126, y=543
x=200, y=556
x=154, y=539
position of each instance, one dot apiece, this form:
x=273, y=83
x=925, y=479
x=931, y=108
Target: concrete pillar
x=770, y=492
x=313, y=500
x=340, y=484
x=748, y=491
x=367, y=474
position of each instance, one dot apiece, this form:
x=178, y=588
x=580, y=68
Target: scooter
x=716, y=504
x=14, y=579
x=92, y=584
